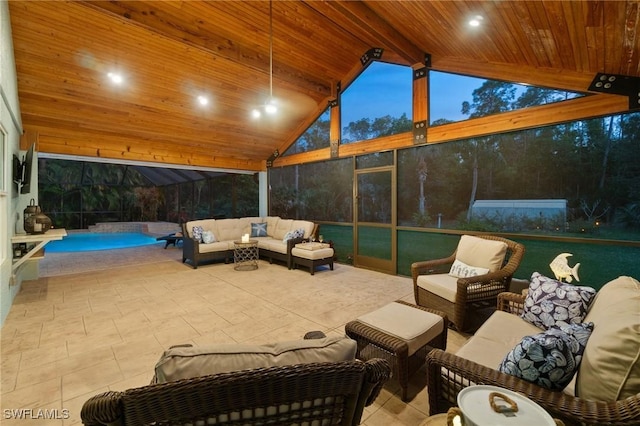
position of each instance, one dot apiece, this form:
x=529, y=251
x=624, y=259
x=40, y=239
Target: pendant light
x=269, y=106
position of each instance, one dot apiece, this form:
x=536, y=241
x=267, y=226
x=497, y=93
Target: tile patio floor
x=99, y=321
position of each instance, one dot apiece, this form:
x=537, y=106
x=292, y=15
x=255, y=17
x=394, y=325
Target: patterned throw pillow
x=259, y=229
x=288, y=236
x=550, y=302
x=549, y=359
x=197, y=231
x=299, y=233
x=462, y=270
x=208, y=237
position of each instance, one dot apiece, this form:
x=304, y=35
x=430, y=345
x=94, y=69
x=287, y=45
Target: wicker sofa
x=226, y=231
x=316, y=380
x=342, y=388
x=606, y=389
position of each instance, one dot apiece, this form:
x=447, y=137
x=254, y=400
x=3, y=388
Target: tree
x=366, y=128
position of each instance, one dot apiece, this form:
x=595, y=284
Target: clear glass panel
x=378, y=159
x=374, y=242
x=454, y=97
x=315, y=137
x=378, y=103
x=374, y=197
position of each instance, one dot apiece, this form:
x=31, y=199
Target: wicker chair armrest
x=512, y=303
x=500, y=275
x=102, y=409
x=378, y=373
x=571, y=410
x=291, y=243
x=435, y=266
x=190, y=248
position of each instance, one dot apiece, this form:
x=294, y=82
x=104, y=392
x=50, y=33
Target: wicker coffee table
x=401, y=333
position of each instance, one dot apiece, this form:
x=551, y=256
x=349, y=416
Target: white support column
x=263, y=194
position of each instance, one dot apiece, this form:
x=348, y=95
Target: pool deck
x=71, y=263
x=54, y=264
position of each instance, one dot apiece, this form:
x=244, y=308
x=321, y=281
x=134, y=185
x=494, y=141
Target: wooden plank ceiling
x=169, y=52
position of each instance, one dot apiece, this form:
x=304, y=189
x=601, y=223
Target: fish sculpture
x=562, y=270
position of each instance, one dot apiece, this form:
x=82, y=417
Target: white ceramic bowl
x=476, y=409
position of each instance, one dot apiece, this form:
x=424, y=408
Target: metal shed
x=532, y=209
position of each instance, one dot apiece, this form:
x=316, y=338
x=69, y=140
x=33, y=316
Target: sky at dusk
x=385, y=89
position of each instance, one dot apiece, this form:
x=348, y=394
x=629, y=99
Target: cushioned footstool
x=401, y=333
x=312, y=255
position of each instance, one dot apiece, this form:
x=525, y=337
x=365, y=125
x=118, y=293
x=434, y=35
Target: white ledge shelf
x=40, y=241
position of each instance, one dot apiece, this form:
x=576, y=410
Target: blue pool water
x=90, y=241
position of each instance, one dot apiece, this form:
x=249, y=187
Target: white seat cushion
x=413, y=325
x=495, y=338
x=443, y=285
x=610, y=367
x=481, y=253
x=322, y=253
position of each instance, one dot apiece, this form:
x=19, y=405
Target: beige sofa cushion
x=206, y=224
x=415, y=326
x=303, y=224
x=443, y=285
x=272, y=223
x=231, y=229
x=271, y=244
x=282, y=227
x=186, y=362
x=495, y=338
x=478, y=252
x=610, y=367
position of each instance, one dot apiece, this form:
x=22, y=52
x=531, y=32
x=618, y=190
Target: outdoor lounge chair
x=437, y=287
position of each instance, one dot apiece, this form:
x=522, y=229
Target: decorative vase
x=31, y=210
x=35, y=222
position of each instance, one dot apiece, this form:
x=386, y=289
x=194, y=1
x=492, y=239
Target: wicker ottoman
x=312, y=255
x=401, y=333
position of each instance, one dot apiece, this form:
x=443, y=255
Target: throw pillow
x=197, y=231
x=208, y=237
x=288, y=236
x=550, y=302
x=259, y=229
x=549, y=359
x=462, y=270
x=299, y=233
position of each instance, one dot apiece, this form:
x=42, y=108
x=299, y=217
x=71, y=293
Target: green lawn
x=599, y=263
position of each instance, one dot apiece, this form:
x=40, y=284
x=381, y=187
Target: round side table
x=245, y=255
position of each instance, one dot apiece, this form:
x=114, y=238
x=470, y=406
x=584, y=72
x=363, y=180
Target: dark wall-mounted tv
x=22, y=171
x=27, y=166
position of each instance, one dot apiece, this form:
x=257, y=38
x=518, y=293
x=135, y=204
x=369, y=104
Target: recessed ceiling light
x=115, y=77
x=256, y=113
x=476, y=21
x=203, y=100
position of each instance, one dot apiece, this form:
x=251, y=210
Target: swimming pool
x=93, y=241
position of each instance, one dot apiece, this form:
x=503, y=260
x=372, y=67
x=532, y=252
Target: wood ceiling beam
x=358, y=19
x=89, y=144
x=528, y=118
x=138, y=13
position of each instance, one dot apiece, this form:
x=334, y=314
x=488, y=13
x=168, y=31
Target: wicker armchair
x=325, y=393
x=448, y=374
x=472, y=293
